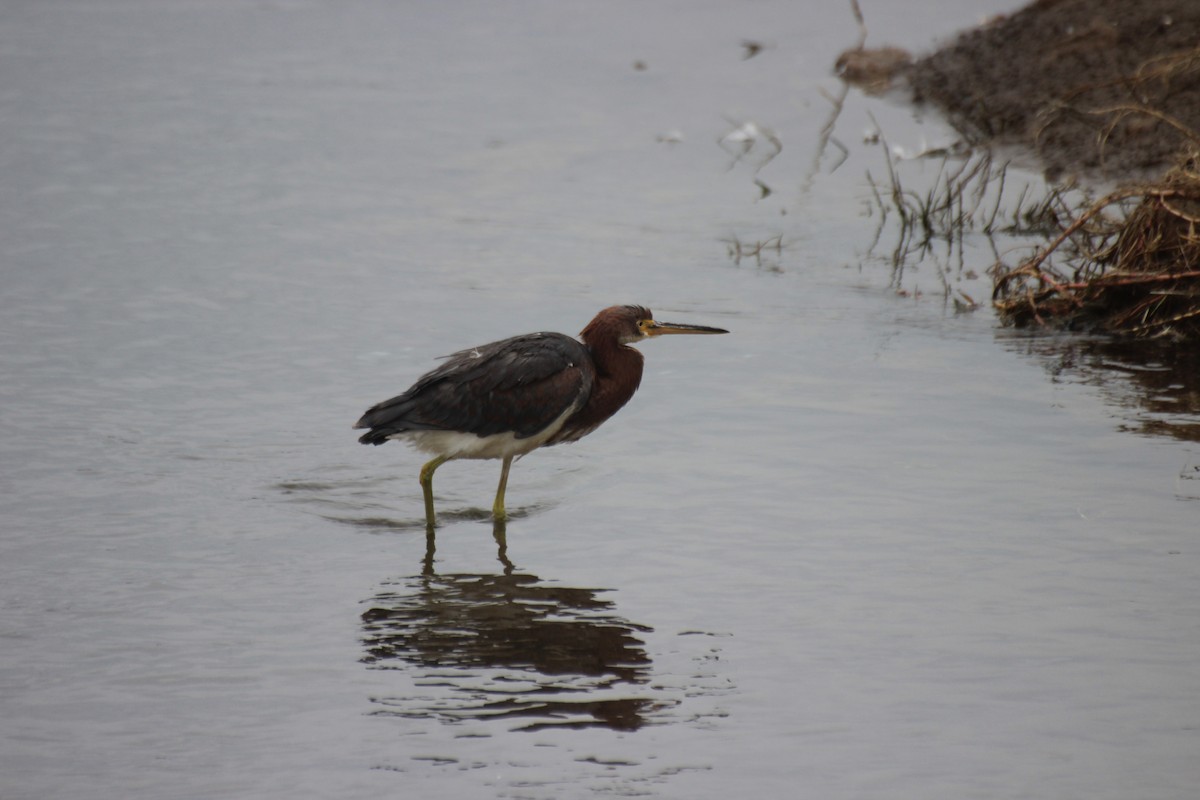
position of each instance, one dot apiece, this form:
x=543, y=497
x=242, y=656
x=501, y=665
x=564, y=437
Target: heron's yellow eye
x=645, y=325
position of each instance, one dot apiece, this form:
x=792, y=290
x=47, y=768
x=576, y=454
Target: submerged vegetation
x=1127, y=263
x=967, y=196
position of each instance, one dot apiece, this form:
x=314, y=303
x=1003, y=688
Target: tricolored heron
x=505, y=399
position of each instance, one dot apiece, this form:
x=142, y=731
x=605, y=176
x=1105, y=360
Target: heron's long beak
x=661, y=328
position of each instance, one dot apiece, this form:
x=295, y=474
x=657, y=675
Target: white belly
x=454, y=444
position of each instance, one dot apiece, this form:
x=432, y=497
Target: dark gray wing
x=517, y=385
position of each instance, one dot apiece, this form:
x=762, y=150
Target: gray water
x=862, y=547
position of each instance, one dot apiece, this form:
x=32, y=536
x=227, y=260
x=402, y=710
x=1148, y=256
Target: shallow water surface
x=861, y=547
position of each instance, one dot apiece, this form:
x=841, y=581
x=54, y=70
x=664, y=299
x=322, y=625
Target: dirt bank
x=1090, y=86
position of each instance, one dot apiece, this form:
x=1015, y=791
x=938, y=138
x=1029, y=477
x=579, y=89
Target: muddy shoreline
x=1098, y=88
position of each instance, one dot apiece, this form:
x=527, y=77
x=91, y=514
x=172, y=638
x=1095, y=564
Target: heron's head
x=626, y=324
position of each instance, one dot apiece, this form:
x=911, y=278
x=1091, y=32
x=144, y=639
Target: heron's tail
x=385, y=420
x=376, y=436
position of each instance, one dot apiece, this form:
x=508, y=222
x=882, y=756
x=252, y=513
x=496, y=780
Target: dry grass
x=1131, y=265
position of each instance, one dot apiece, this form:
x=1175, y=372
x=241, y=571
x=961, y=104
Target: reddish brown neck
x=618, y=374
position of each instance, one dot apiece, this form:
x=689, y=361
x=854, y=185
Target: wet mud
x=1106, y=88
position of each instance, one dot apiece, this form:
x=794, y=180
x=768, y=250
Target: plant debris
x=1131, y=266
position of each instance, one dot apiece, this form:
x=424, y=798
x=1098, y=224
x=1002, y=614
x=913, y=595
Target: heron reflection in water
x=508, y=398
x=509, y=647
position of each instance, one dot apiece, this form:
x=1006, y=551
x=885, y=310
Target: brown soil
x=1100, y=87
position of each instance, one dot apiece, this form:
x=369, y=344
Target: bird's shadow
x=443, y=519
x=355, y=502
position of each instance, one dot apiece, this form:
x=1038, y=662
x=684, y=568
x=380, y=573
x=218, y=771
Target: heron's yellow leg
x=427, y=485
x=498, y=512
